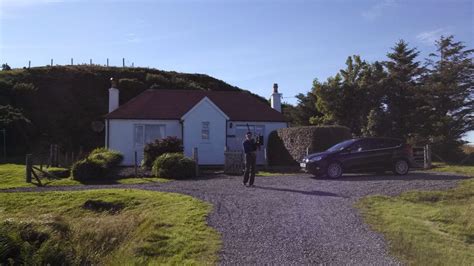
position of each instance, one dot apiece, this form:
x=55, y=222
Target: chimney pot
x=275, y=87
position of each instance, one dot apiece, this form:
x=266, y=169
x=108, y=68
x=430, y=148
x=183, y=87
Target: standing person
x=250, y=148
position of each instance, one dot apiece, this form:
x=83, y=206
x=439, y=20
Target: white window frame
x=205, y=127
x=143, y=136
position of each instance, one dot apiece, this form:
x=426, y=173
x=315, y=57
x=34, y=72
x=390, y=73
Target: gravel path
x=294, y=219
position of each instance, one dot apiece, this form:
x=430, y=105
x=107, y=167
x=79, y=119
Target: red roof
x=173, y=104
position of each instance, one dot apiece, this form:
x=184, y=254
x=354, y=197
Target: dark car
x=361, y=155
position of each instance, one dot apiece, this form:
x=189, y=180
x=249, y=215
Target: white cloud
x=429, y=37
x=378, y=9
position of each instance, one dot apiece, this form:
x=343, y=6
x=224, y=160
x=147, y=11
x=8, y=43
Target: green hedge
x=287, y=146
x=96, y=165
x=174, y=165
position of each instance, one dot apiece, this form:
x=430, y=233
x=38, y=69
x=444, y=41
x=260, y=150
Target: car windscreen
x=341, y=145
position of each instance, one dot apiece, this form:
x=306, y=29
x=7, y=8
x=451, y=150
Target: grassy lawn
x=105, y=227
x=13, y=176
x=264, y=173
x=457, y=169
x=426, y=228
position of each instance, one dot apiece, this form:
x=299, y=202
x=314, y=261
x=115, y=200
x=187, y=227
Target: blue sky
x=250, y=44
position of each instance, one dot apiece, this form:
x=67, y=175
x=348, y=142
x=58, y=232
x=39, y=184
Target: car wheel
x=334, y=170
x=401, y=167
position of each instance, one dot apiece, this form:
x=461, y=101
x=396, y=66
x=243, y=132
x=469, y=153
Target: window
x=363, y=145
x=205, y=131
x=148, y=133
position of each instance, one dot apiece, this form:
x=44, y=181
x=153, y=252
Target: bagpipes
x=259, y=138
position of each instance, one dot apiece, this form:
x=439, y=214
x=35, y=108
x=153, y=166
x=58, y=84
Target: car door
x=352, y=157
x=362, y=155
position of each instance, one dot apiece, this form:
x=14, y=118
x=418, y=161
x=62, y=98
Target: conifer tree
x=400, y=88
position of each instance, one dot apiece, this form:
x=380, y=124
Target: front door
x=235, y=143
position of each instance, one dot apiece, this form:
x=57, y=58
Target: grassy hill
x=44, y=105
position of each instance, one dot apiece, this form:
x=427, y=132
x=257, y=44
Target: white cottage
x=209, y=120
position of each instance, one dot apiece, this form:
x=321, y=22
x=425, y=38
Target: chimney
x=113, y=95
x=276, y=98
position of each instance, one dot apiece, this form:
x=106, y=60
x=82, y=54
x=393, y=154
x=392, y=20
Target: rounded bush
x=109, y=157
x=174, y=165
x=155, y=149
x=88, y=169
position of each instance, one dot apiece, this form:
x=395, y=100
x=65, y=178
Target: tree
x=449, y=88
x=302, y=113
x=6, y=67
x=400, y=87
x=346, y=99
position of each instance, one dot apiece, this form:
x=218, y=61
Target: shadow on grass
x=310, y=193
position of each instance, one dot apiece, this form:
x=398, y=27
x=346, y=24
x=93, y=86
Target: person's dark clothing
x=249, y=145
x=250, y=161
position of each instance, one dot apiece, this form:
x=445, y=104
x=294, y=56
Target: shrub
x=96, y=165
x=289, y=145
x=161, y=146
x=58, y=172
x=174, y=165
x=109, y=157
x=88, y=169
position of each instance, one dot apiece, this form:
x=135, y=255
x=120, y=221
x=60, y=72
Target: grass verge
x=266, y=173
x=426, y=228
x=456, y=169
x=105, y=227
x=13, y=176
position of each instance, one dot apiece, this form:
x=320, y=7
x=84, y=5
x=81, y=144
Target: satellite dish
x=97, y=126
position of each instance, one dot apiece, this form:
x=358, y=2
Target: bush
x=161, y=146
x=96, y=165
x=58, y=172
x=174, y=165
x=286, y=146
x=88, y=169
x=108, y=157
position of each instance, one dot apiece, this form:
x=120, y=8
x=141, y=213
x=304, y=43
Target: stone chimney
x=113, y=95
x=276, y=98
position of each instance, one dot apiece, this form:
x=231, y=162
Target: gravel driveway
x=295, y=219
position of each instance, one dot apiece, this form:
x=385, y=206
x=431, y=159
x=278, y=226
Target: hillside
x=44, y=105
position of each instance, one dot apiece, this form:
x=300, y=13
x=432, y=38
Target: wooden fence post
x=135, y=164
x=29, y=168
x=50, y=159
x=196, y=160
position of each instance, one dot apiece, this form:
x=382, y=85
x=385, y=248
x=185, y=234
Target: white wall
x=211, y=152
x=235, y=142
x=121, y=136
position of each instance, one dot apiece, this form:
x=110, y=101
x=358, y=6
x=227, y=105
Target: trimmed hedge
x=96, y=165
x=287, y=146
x=174, y=165
x=158, y=147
